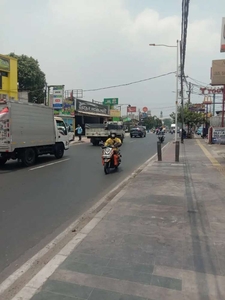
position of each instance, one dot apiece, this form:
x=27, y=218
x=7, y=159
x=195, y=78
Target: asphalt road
x=37, y=204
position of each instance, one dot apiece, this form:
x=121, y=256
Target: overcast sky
x=87, y=44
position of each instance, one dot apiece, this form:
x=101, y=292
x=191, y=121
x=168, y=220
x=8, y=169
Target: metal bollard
x=177, y=151
x=159, y=151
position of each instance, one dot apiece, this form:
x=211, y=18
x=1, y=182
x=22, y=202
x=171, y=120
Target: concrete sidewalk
x=162, y=239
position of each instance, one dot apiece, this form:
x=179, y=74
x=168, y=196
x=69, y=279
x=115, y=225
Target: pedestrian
x=79, y=131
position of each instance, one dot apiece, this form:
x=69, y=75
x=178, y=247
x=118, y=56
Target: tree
x=30, y=77
x=191, y=118
x=167, y=122
x=151, y=122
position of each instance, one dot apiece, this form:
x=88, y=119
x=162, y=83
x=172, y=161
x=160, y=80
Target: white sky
x=87, y=44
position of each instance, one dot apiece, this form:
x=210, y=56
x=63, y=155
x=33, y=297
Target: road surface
x=38, y=203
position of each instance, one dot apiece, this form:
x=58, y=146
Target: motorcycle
x=161, y=137
x=110, y=159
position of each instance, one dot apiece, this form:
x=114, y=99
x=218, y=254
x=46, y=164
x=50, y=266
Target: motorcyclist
x=113, y=140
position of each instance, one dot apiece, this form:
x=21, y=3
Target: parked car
x=138, y=131
x=199, y=131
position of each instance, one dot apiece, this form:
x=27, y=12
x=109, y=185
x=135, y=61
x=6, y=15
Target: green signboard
x=111, y=101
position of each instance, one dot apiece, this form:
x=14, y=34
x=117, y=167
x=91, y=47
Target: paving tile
x=67, y=289
x=98, y=294
x=82, y=268
x=119, y=264
x=167, y=282
x=156, y=199
x=170, y=260
x=127, y=275
x=104, y=295
x=168, y=272
x=88, y=259
x=203, y=284
x=53, y=296
x=199, y=248
x=202, y=264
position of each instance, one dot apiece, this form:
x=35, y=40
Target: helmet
x=112, y=135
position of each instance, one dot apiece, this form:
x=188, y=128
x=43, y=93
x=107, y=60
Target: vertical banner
x=222, y=47
x=58, y=96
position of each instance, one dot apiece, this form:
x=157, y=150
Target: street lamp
x=177, y=75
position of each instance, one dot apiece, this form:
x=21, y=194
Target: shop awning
x=92, y=114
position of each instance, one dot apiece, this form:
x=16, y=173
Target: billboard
x=90, y=107
x=222, y=46
x=115, y=113
x=131, y=109
x=218, y=72
x=67, y=108
x=58, y=96
x=111, y=101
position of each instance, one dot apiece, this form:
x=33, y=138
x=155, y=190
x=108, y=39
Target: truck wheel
x=3, y=160
x=59, y=151
x=29, y=157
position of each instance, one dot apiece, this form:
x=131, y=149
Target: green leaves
x=30, y=77
x=191, y=118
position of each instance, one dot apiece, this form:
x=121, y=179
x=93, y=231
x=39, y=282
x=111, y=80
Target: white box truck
x=28, y=130
x=100, y=132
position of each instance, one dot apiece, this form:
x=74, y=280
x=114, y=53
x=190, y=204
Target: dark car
x=138, y=131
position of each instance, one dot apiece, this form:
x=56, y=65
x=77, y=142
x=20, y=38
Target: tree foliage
x=191, y=118
x=30, y=77
x=152, y=122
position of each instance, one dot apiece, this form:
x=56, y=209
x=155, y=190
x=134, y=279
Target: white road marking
x=27, y=292
x=50, y=164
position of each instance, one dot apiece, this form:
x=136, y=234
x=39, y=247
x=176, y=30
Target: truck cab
x=61, y=132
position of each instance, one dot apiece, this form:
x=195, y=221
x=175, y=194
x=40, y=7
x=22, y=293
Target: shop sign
x=58, y=97
x=86, y=106
x=218, y=135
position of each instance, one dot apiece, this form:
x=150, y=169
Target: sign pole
x=223, y=106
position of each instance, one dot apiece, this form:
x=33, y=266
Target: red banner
x=131, y=109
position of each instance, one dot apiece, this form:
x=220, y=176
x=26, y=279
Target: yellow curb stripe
x=214, y=161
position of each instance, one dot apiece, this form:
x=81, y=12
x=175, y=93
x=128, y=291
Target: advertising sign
x=222, y=47
x=4, y=63
x=145, y=109
x=67, y=108
x=115, y=113
x=131, y=109
x=218, y=135
x=110, y=101
x=86, y=106
x=198, y=107
x=218, y=72
x=58, y=96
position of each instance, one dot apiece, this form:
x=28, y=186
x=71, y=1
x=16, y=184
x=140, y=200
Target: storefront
x=8, y=78
x=88, y=112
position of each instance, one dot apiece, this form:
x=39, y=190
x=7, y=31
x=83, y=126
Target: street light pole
x=177, y=76
x=176, y=103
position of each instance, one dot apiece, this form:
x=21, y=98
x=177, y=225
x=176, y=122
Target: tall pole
x=176, y=103
x=223, y=107
x=214, y=104
x=182, y=95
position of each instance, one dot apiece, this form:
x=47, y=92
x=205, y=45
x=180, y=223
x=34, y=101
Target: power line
x=130, y=83
x=198, y=81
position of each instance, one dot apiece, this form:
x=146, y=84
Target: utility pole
x=189, y=93
x=182, y=93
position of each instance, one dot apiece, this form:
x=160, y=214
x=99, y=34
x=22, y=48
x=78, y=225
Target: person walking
x=79, y=131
